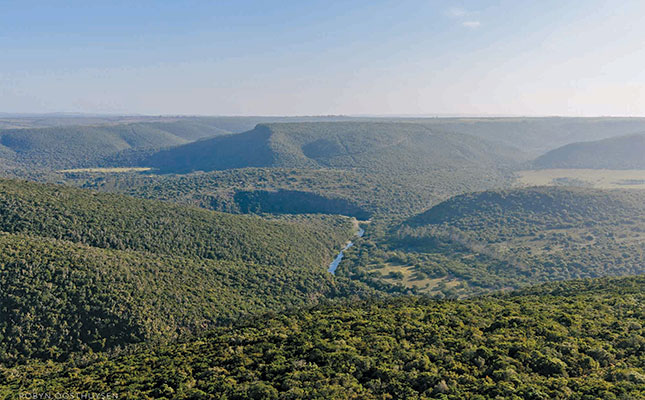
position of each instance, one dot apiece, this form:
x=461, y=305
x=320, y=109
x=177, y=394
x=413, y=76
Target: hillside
x=369, y=146
x=533, y=209
x=40, y=141
x=579, y=340
x=79, y=146
x=535, y=136
x=120, y=222
x=81, y=270
x=625, y=152
x=228, y=124
x=294, y=191
x=63, y=142
x=353, y=168
x=504, y=239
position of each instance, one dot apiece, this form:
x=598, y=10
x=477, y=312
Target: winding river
x=339, y=257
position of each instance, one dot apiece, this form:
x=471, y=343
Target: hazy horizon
x=370, y=58
x=385, y=116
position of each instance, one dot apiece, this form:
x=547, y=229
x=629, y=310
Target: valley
x=322, y=200
x=307, y=258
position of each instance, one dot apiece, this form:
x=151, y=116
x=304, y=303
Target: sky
x=372, y=57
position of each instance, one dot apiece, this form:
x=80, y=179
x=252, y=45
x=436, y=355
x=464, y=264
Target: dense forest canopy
x=336, y=191
x=60, y=298
x=125, y=223
x=82, y=270
x=59, y=141
x=578, y=340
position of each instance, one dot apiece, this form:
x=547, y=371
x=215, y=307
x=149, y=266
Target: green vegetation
x=625, y=152
x=505, y=239
x=59, y=298
x=41, y=141
x=87, y=271
x=124, y=223
x=51, y=143
x=578, y=340
x=87, y=146
x=352, y=168
x=115, y=289
x=368, y=146
x=354, y=193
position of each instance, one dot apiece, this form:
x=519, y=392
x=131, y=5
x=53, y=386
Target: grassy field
x=596, y=178
x=412, y=277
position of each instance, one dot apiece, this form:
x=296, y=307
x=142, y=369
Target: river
x=339, y=257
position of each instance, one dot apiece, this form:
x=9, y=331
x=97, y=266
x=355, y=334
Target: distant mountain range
x=368, y=146
x=73, y=142
x=69, y=141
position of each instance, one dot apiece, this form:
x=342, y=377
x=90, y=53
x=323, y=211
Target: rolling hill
x=352, y=168
x=84, y=271
x=82, y=146
x=535, y=136
x=124, y=223
x=538, y=207
x=506, y=239
x=625, y=152
x=65, y=142
x=577, y=340
x=367, y=146
x=72, y=141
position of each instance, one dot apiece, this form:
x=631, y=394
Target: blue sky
x=323, y=57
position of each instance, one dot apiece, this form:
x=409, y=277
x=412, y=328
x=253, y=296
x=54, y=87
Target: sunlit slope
x=59, y=298
x=580, y=339
x=121, y=222
x=81, y=270
x=539, y=207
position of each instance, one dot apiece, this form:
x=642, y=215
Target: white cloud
x=456, y=12
x=471, y=24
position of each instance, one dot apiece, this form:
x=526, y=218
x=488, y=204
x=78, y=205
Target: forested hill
x=121, y=222
x=368, y=146
x=60, y=142
x=576, y=340
x=51, y=142
x=477, y=242
x=85, y=146
x=83, y=271
x=539, y=206
x=625, y=152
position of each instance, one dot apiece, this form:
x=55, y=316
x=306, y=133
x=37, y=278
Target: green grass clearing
x=107, y=170
x=596, y=178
